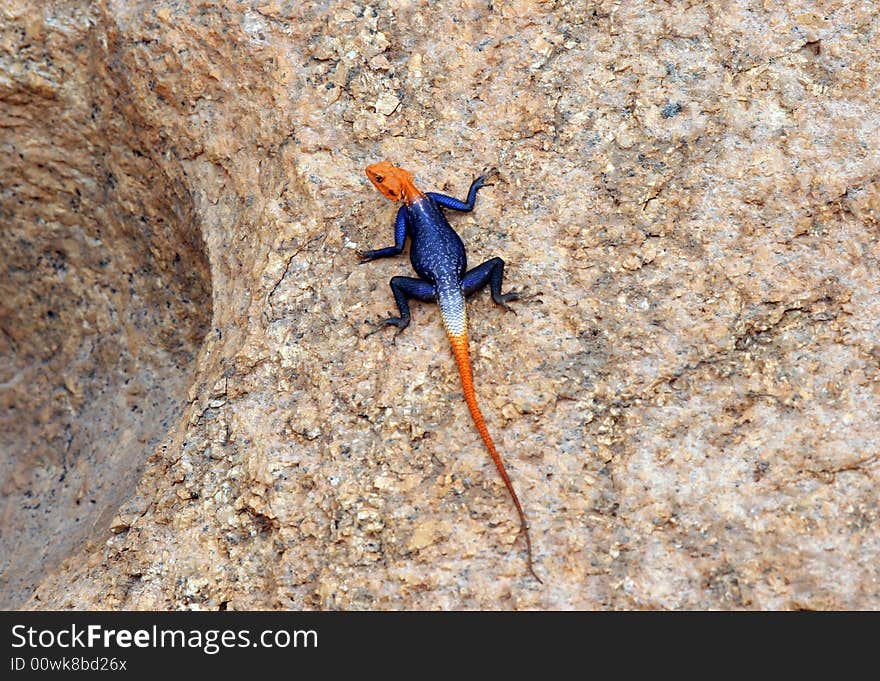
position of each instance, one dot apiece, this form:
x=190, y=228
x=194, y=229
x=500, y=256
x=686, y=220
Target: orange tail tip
x=459, y=343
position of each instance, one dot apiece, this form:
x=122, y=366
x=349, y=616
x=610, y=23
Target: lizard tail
x=458, y=339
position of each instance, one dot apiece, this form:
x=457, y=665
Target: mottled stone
x=690, y=411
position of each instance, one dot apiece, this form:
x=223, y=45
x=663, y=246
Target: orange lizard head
x=394, y=183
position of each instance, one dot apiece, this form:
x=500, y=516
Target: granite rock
x=689, y=409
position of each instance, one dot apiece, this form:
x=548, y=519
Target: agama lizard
x=438, y=256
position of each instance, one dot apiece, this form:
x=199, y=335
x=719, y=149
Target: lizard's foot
x=399, y=322
x=487, y=175
x=504, y=298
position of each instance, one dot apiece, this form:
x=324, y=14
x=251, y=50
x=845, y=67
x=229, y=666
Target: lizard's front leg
x=399, y=240
x=468, y=205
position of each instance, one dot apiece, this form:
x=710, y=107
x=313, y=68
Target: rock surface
x=691, y=415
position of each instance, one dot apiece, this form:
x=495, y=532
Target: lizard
x=438, y=257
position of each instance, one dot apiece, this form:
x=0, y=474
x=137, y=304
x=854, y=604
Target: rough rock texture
x=105, y=292
x=691, y=416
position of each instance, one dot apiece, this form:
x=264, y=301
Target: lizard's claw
x=525, y=297
x=382, y=323
x=365, y=257
x=486, y=175
x=377, y=327
x=510, y=296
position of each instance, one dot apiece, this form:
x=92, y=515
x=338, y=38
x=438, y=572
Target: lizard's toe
x=382, y=323
x=489, y=174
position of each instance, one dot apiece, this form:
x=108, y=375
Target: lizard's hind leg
x=405, y=288
x=491, y=272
